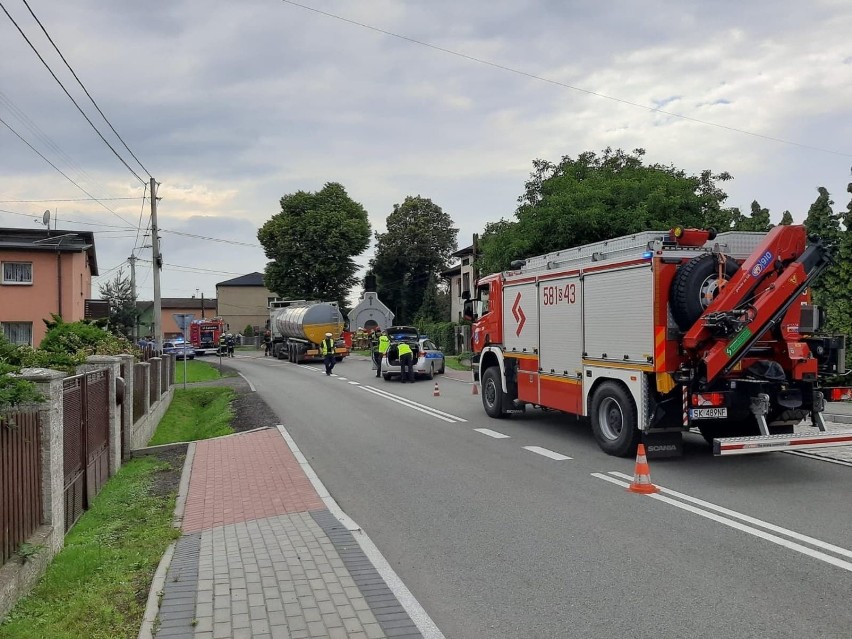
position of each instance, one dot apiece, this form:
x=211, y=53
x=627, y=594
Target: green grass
x=196, y=372
x=196, y=413
x=454, y=363
x=97, y=586
x=364, y=353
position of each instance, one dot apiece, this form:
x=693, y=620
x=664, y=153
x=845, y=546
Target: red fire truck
x=204, y=334
x=652, y=334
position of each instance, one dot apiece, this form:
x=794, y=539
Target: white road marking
x=416, y=407
x=751, y=520
x=411, y=401
x=251, y=386
x=491, y=433
x=547, y=453
x=418, y=614
x=804, y=453
x=355, y=383
x=786, y=543
x=342, y=379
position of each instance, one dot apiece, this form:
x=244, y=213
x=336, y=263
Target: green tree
x=837, y=281
x=596, y=197
x=417, y=246
x=786, y=219
x=758, y=221
x=312, y=243
x=122, y=304
x=824, y=223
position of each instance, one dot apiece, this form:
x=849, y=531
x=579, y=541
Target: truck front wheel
x=614, y=420
x=492, y=393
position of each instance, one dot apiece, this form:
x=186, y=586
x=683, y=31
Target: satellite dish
x=45, y=219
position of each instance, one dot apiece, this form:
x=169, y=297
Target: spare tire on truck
x=695, y=285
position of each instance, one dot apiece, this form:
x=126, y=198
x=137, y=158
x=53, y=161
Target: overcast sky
x=231, y=105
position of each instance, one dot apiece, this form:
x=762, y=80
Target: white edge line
x=492, y=433
x=418, y=614
x=251, y=386
x=355, y=383
x=804, y=453
x=546, y=452
x=413, y=403
x=408, y=404
x=786, y=543
x=752, y=520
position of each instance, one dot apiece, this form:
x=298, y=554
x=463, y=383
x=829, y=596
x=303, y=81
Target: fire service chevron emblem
x=518, y=313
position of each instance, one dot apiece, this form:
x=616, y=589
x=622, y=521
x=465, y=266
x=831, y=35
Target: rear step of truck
x=769, y=443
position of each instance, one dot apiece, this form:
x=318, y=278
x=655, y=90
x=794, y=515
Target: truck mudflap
x=769, y=443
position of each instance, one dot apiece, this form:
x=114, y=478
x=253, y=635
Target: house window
x=458, y=281
x=18, y=332
x=465, y=262
x=17, y=272
x=466, y=278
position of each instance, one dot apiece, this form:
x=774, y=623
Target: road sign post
x=183, y=320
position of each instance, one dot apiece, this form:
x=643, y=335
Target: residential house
x=243, y=301
x=44, y=272
x=461, y=279
x=199, y=307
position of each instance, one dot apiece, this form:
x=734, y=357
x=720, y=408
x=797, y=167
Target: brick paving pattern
x=262, y=557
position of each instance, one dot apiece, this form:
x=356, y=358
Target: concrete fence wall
x=17, y=578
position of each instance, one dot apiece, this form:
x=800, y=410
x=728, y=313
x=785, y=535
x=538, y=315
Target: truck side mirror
x=467, y=310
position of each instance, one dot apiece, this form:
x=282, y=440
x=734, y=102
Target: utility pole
x=158, y=262
x=132, y=259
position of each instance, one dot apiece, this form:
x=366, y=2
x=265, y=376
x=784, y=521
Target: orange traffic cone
x=475, y=389
x=642, y=475
x=436, y=392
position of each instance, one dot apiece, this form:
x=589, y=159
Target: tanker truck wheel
x=615, y=423
x=694, y=286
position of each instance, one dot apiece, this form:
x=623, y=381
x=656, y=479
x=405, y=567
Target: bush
x=249, y=331
x=442, y=333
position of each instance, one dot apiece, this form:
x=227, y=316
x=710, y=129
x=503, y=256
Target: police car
x=428, y=358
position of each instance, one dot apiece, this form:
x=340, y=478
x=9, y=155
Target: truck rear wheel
x=492, y=393
x=615, y=423
x=694, y=286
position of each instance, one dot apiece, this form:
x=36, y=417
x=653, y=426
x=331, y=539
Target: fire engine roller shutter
x=520, y=317
x=561, y=303
x=618, y=314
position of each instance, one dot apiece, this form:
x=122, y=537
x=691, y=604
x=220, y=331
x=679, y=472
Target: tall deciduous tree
x=838, y=281
x=786, y=218
x=122, y=304
x=312, y=243
x=596, y=197
x=758, y=221
x=824, y=223
x=418, y=243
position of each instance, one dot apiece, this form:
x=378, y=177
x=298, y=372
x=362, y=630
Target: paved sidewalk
x=262, y=555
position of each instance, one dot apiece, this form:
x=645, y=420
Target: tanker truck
x=298, y=327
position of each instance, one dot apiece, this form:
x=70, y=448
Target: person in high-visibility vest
x=327, y=350
x=406, y=362
x=380, y=347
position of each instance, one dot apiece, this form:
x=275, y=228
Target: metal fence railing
x=20, y=479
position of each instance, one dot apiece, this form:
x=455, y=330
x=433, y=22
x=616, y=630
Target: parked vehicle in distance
x=181, y=350
x=428, y=358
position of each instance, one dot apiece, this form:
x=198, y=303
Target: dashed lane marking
x=491, y=433
x=547, y=453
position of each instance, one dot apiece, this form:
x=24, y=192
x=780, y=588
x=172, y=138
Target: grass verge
x=458, y=363
x=196, y=413
x=196, y=372
x=97, y=586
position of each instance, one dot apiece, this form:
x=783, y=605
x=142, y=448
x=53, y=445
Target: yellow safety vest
x=404, y=349
x=327, y=346
x=384, y=343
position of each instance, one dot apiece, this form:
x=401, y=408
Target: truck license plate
x=708, y=413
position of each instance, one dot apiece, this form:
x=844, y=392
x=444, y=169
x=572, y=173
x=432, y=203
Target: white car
x=428, y=358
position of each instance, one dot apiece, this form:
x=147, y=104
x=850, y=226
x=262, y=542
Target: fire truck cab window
x=482, y=297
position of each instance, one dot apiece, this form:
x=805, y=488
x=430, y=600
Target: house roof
x=464, y=252
x=55, y=240
x=179, y=302
x=252, y=279
x=452, y=272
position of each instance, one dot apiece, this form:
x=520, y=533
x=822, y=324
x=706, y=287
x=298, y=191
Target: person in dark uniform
x=327, y=350
x=229, y=341
x=406, y=362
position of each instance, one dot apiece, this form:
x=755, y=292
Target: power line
x=564, y=85
x=61, y=172
x=212, y=239
x=70, y=97
x=192, y=269
x=79, y=199
x=85, y=90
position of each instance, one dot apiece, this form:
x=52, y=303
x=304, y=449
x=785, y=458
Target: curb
x=152, y=605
